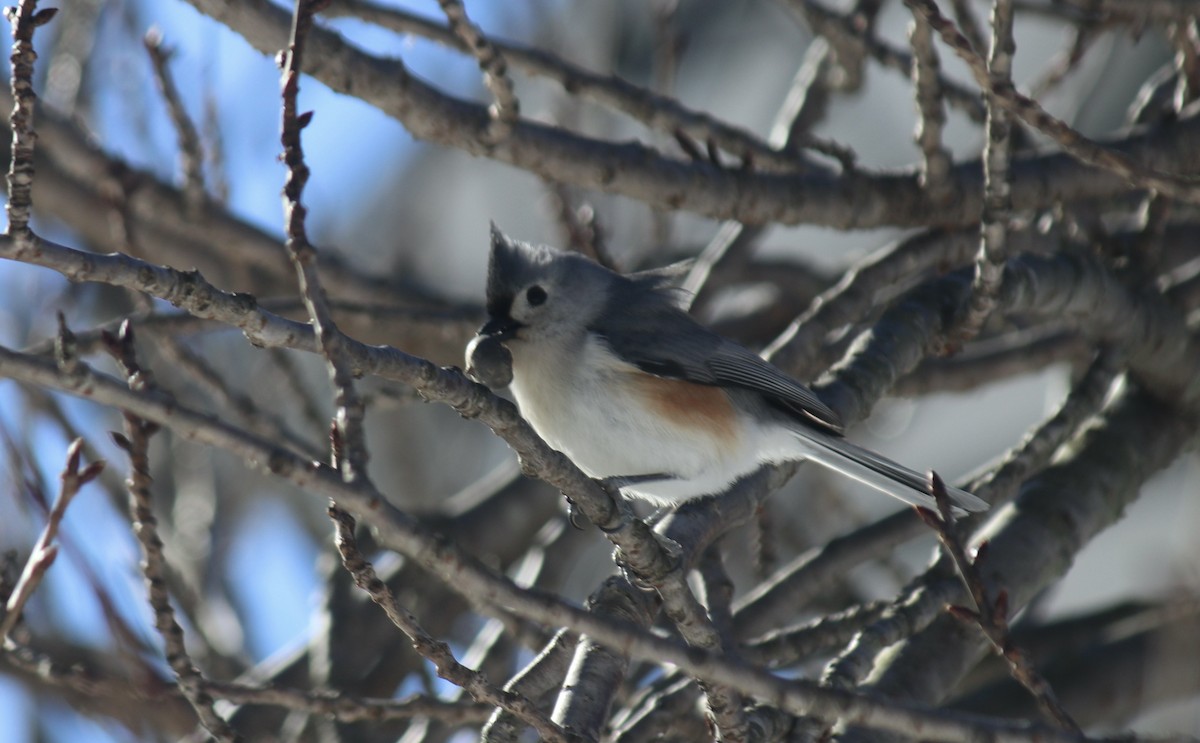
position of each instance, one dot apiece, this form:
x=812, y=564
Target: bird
x=611, y=370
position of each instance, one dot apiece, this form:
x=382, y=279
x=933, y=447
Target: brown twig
x=398, y=531
x=965, y=15
x=437, y=653
x=25, y=18
x=913, y=610
x=580, y=227
x=846, y=28
x=990, y=614
x=41, y=557
x=724, y=704
x=541, y=675
x=337, y=705
x=505, y=108
x=1185, y=35
x=350, y=411
x=1065, y=62
x=191, y=152
x=655, y=111
x=799, y=643
x=136, y=444
x=233, y=401
x=936, y=162
x=997, y=188
x=1185, y=188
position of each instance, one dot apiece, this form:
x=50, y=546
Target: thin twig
x=913, y=610
x=990, y=614
x=1185, y=35
x=347, y=435
x=802, y=108
x=398, y=531
x=801, y=348
x=724, y=704
x=798, y=643
x=655, y=111
x=1065, y=62
x=41, y=557
x=25, y=18
x=997, y=189
x=969, y=24
x=350, y=411
x=136, y=444
x=436, y=652
x=1002, y=356
x=505, y=108
x=329, y=703
x=292, y=377
x=936, y=162
x=832, y=24
x=580, y=226
x=191, y=152
x=346, y=707
x=235, y=402
x=1085, y=150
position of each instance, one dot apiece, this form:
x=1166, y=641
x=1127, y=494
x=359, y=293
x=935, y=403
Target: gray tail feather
x=881, y=473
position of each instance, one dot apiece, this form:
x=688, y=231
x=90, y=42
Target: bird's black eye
x=536, y=295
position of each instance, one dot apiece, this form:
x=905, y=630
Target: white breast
x=590, y=406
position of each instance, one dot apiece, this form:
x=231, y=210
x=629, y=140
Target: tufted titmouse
x=610, y=370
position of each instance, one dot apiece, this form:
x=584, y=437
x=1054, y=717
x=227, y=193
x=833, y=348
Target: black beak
x=500, y=328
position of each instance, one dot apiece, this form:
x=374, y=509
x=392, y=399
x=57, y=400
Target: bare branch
x=136, y=443
x=505, y=108
x=41, y=557
x=350, y=409
x=846, y=28
x=191, y=153
x=997, y=191
x=396, y=530
x=935, y=167
x=800, y=642
x=1028, y=110
x=543, y=674
x=1058, y=512
x=661, y=182
x=340, y=706
x=437, y=653
x=1138, y=11
x=724, y=704
x=656, y=111
x=25, y=18
x=991, y=612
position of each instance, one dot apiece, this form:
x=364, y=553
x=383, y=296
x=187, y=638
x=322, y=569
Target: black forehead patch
x=499, y=305
x=506, y=264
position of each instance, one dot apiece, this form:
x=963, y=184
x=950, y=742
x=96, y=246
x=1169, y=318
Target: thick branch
x=398, y=531
x=639, y=172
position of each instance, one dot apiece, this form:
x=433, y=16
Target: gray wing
x=736, y=365
x=652, y=334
